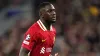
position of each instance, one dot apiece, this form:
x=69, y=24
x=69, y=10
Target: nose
x=54, y=13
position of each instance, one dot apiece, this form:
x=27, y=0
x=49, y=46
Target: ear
x=41, y=12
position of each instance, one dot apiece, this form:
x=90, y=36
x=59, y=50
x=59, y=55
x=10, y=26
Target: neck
x=46, y=23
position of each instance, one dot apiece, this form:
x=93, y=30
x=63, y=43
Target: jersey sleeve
x=29, y=39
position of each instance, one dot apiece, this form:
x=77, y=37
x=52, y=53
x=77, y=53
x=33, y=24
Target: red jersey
x=39, y=40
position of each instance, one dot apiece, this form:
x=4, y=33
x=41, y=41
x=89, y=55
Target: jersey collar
x=42, y=26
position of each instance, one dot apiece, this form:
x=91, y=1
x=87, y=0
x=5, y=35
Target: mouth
x=54, y=19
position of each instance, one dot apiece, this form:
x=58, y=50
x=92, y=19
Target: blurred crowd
x=79, y=21
x=78, y=26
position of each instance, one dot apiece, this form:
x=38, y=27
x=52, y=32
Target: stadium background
x=78, y=26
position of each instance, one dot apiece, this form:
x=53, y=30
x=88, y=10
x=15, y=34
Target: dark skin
x=47, y=16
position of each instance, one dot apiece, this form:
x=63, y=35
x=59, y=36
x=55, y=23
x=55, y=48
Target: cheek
x=47, y=15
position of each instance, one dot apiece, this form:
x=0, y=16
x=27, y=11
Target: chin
x=53, y=21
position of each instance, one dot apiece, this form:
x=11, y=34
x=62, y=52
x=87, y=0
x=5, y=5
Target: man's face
x=49, y=13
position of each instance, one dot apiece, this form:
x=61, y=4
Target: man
x=40, y=37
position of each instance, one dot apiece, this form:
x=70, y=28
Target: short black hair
x=44, y=4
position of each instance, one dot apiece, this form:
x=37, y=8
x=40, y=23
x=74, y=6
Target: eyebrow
x=51, y=9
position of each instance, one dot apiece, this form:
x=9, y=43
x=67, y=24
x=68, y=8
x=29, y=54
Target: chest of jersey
x=44, y=43
x=46, y=38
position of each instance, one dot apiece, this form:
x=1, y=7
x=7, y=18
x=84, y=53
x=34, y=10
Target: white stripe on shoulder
x=40, y=25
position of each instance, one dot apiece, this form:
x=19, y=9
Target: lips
x=53, y=19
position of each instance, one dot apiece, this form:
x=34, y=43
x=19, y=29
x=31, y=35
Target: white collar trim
x=43, y=27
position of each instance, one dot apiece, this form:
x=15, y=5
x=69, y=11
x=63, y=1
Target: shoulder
x=33, y=28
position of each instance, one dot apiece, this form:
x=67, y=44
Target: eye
x=49, y=10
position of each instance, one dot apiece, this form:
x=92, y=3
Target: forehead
x=50, y=6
